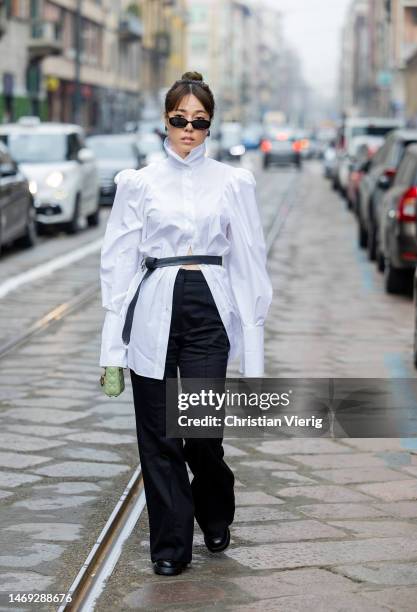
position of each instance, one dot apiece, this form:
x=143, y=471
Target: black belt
x=154, y=262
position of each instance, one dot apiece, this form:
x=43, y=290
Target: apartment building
x=95, y=62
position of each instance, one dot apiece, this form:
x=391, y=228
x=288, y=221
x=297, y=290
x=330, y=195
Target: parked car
x=397, y=239
x=325, y=138
x=231, y=145
x=359, y=169
x=329, y=160
x=345, y=142
x=375, y=183
x=62, y=171
x=114, y=152
x=358, y=146
x=17, y=212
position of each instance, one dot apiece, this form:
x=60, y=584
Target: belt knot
x=150, y=262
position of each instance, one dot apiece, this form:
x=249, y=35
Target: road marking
x=48, y=268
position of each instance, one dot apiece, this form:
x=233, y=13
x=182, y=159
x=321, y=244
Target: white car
x=150, y=147
x=61, y=170
x=346, y=140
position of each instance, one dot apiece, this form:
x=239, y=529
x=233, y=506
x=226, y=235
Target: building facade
x=93, y=62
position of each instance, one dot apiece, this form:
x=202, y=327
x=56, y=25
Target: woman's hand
x=112, y=381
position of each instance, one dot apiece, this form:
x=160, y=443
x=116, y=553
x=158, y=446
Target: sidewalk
x=325, y=524
x=320, y=524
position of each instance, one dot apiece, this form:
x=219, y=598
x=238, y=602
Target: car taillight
x=390, y=172
x=266, y=146
x=406, y=210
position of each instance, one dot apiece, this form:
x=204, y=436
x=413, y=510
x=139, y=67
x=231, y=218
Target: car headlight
x=33, y=187
x=54, y=179
x=237, y=150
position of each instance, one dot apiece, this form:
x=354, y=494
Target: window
x=406, y=170
x=36, y=147
x=412, y=14
x=4, y=155
x=73, y=146
x=198, y=13
x=199, y=43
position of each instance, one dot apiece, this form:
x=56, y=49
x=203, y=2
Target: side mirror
x=364, y=166
x=8, y=169
x=384, y=182
x=85, y=155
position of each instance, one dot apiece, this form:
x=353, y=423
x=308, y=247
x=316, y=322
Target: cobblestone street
x=325, y=524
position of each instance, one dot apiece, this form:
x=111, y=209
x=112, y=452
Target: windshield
x=36, y=148
x=111, y=148
x=372, y=130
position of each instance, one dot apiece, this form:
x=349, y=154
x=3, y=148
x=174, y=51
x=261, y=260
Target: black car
x=113, y=152
x=397, y=242
x=17, y=211
x=375, y=183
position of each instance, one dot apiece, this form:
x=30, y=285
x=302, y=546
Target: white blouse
x=160, y=211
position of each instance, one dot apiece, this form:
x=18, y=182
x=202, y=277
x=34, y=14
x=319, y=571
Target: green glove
x=112, y=381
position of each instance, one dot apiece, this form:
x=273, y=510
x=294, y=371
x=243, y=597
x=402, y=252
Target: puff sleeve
x=120, y=257
x=246, y=266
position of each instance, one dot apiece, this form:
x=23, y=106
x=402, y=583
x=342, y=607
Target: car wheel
x=380, y=259
x=94, y=219
x=362, y=235
x=396, y=281
x=30, y=237
x=73, y=226
x=349, y=205
x=371, y=244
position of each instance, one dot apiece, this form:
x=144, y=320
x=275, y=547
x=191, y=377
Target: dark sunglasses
x=182, y=122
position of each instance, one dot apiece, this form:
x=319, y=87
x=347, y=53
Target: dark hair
x=190, y=83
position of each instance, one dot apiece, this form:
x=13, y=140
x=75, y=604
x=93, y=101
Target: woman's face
x=185, y=139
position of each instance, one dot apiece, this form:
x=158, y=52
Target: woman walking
x=185, y=286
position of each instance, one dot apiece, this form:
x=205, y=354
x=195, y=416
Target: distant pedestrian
x=196, y=315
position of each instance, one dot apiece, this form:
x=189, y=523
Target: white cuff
x=113, y=351
x=252, y=358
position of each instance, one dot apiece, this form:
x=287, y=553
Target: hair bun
x=192, y=76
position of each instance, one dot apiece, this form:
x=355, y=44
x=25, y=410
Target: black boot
x=168, y=567
x=218, y=543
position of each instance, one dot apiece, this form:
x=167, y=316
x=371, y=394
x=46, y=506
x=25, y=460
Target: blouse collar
x=195, y=157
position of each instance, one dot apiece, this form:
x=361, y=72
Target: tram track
x=101, y=560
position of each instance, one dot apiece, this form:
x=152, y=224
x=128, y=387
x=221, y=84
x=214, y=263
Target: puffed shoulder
x=242, y=177
x=129, y=175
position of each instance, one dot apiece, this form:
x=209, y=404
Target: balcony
x=130, y=28
x=43, y=40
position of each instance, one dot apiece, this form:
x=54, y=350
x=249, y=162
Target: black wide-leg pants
x=199, y=346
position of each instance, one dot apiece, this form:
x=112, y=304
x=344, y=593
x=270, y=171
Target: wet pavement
x=329, y=524
x=320, y=524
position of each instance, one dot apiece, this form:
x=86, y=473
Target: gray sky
x=313, y=27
